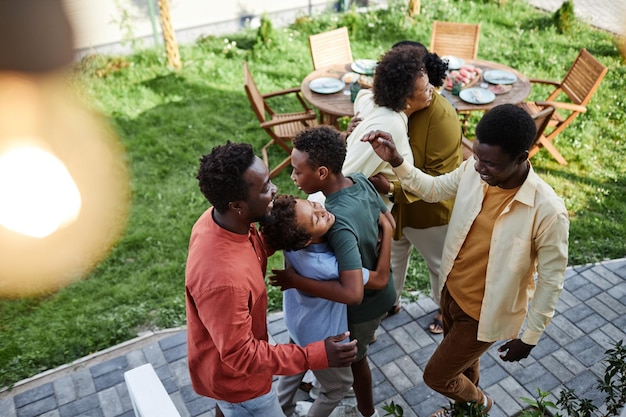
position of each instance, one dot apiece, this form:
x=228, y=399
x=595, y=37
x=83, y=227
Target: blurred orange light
x=27, y=177
x=64, y=186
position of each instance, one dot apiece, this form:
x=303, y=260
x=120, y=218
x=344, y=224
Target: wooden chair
x=332, y=47
x=281, y=127
x=541, y=122
x=579, y=85
x=456, y=39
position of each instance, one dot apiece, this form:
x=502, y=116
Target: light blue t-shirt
x=309, y=319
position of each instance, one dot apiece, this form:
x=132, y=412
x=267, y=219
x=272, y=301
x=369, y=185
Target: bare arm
x=379, y=278
x=347, y=290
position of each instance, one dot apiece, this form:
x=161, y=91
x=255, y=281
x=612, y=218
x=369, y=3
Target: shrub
x=564, y=17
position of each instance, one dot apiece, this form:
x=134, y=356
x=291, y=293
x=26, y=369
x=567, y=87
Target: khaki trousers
x=429, y=243
x=334, y=384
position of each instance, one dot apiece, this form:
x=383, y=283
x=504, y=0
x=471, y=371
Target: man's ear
x=236, y=206
x=522, y=157
x=322, y=172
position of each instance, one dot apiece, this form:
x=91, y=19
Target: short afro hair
x=324, y=145
x=435, y=67
x=395, y=76
x=509, y=127
x=221, y=174
x=280, y=229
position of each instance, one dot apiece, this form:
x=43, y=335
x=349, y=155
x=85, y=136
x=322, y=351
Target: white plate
x=326, y=85
x=364, y=66
x=454, y=63
x=477, y=95
x=499, y=77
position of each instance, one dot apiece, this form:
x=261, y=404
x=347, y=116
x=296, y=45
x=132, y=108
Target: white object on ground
x=148, y=394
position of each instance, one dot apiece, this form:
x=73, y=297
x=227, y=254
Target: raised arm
x=428, y=188
x=383, y=145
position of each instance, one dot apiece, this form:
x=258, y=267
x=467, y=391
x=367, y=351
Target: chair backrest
x=541, y=121
x=332, y=47
x=254, y=95
x=456, y=39
x=583, y=78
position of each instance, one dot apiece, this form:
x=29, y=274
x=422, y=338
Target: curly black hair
x=325, y=146
x=280, y=229
x=221, y=174
x=509, y=127
x=395, y=76
x=436, y=68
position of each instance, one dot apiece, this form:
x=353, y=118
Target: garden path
x=590, y=318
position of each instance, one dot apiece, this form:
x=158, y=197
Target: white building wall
x=99, y=24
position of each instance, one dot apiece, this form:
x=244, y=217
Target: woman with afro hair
x=401, y=87
x=435, y=140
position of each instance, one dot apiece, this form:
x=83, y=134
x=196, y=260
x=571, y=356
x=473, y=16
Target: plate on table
x=326, y=85
x=472, y=79
x=477, y=95
x=364, y=66
x=500, y=88
x=499, y=77
x=454, y=63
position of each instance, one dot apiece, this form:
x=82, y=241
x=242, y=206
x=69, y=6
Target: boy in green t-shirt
x=317, y=159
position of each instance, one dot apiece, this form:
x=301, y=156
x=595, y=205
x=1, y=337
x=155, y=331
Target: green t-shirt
x=354, y=238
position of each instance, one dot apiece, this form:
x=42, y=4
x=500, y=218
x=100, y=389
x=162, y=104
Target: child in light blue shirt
x=298, y=227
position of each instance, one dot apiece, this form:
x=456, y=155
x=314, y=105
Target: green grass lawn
x=167, y=120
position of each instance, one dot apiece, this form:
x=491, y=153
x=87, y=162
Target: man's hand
x=283, y=278
x=514, y=350
x=380, y=182
x=340, y=354
x=354, y=122
x=383, y=224
x=383, y=145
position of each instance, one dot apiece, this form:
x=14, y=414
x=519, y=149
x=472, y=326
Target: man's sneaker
x=489, y=403
x=302, y=408
x=471, y=408
x=442, y=412
x=345, y=411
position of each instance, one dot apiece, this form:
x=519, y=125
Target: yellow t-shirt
x=466, y=281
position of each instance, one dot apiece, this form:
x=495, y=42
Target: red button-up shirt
x=229, y=355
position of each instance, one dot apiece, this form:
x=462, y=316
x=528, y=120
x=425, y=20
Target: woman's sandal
x=435, y=326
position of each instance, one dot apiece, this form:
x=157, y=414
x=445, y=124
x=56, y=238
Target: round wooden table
x=338, y=104
x=332, y=106
x=520, y=89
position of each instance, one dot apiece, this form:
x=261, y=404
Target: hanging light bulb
x=29, y=175
x=64, y=195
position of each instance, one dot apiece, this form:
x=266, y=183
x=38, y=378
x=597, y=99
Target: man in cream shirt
x=505, y=253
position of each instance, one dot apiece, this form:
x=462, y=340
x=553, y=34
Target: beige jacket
x=528, y=254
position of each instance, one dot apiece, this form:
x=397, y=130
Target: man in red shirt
x=229, y=356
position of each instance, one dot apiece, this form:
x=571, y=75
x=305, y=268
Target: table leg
x=330, y=119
